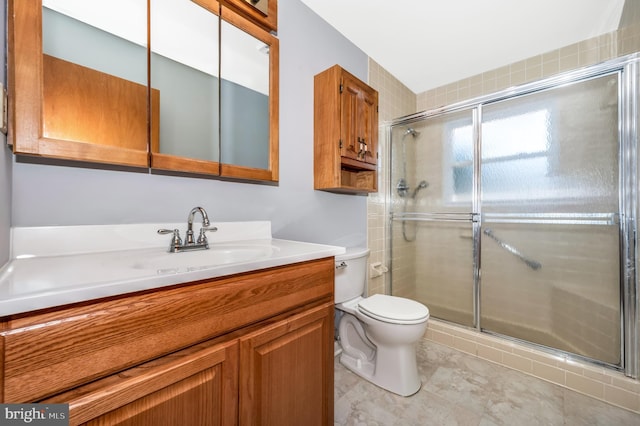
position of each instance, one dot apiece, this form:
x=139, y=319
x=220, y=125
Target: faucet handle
x=202, y=238
x=176, y=241
x=175, y=232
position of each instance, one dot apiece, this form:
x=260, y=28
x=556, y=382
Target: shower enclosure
x=515, y=213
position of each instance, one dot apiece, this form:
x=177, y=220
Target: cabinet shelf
x=357, y=181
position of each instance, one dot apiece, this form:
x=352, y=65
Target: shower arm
x=530, y=263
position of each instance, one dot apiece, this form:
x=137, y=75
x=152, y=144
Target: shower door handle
x=514, y=251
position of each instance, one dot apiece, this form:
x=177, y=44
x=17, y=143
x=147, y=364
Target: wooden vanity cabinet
x=345, y=133
x=255, y=348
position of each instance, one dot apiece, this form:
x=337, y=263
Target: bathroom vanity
x=250, y=344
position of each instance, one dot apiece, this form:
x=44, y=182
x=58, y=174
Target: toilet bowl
x=378, y=334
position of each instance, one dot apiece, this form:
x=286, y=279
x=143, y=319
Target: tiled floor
x=459, y=389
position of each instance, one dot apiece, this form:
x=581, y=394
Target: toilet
x=377, y=334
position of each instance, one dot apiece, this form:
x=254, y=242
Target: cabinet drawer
x=47, y=353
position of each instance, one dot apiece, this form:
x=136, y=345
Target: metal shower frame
x=628, y=68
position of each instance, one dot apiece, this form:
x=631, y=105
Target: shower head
x=423, y=184
x=402, y=187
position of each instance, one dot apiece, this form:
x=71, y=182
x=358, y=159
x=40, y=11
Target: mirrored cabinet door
x=248, y=100
x=78, y=78
x=185, y=75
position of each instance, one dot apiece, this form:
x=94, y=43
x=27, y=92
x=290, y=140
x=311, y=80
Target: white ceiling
x=429, y=43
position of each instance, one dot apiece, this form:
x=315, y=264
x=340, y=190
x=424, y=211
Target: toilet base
x=402, y=381
x=361, y=367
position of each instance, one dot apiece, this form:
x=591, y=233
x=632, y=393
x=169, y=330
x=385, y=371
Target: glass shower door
x=550, y=234
x=431, y=215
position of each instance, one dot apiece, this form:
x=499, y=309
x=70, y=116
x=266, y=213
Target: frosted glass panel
x=550, y=250
x=432, y=181
x=571, y=301
x=433, y=159
x=554, y=150
x=436, y=268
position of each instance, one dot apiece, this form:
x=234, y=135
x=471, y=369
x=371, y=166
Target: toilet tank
x=351, y=274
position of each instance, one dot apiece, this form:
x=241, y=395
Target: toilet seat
x=394, y=310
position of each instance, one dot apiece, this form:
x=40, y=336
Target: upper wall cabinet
x=78, y=80
x=262, y=12
x=345, y=133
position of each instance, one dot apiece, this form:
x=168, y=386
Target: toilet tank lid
x=353, y=253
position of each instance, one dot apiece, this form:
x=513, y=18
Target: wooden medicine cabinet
x=345, y=133
x=202, y=100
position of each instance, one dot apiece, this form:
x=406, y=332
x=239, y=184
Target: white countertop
x=54, y=266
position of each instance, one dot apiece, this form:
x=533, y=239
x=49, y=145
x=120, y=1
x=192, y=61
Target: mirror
x=88, y=103
x=248, y=100
x=185, y=70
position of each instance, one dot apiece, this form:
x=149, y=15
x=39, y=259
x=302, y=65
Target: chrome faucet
x=201, y=243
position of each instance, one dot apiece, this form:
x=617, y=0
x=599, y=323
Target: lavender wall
x=5, y=166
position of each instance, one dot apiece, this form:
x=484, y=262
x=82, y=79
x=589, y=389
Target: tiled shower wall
x=396, y=100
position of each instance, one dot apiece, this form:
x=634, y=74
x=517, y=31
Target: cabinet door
x=368, y=121
x=349, y=129
x=359, y=121
x=249, y=99
x=286, y=371
x=65, y=100
x=196, y=386
x=184, y=68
